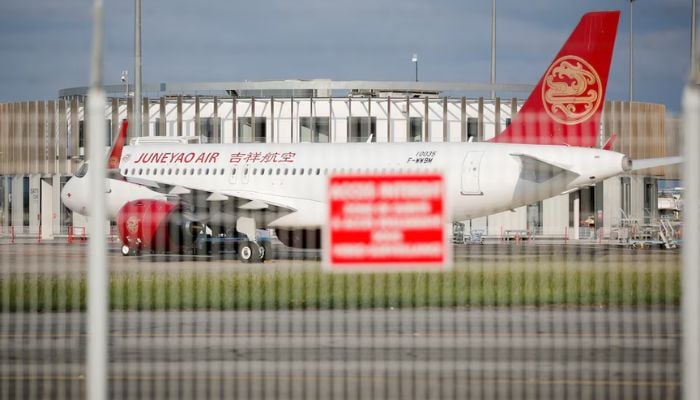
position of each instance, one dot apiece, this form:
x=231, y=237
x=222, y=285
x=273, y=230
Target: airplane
x=547, y=150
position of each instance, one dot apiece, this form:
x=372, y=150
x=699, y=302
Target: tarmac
x=58, y=257
x=475, y=352
x=516, y=352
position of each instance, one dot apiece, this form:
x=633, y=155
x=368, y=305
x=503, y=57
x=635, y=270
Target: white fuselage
x=481, y=178
x=77, y=197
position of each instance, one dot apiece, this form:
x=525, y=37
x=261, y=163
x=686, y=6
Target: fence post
x=690, y=276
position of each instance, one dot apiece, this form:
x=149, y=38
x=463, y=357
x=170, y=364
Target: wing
x=223, y=208
x=539, y=171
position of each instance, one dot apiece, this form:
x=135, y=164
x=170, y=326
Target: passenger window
x=269, y=171
x=177, y=171
x=294, y=171
x=318, y=171
x=245, y=171
x=255, y=171
x=286, y=171
x=221, y=172
x=233, y=171
x=301, y=171
x=278, y=171
x=140, y=171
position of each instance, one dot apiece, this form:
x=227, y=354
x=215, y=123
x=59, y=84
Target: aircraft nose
x=69, y=196
x=66, y=193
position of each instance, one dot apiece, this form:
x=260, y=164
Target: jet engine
x=156, y=226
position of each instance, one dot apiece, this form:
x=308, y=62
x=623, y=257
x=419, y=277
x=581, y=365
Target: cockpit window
x=82, y=171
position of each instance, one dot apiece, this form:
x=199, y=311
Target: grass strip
x=541, y=284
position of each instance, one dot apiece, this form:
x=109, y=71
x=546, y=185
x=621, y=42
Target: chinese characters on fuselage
x=212, y=157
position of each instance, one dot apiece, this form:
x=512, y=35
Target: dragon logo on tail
x=571, y=91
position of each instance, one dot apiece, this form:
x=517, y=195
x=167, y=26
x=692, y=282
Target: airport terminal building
x=42, y=143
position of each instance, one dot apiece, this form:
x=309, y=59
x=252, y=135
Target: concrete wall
x=555, y=215
x=508, y=220
x=612, y=203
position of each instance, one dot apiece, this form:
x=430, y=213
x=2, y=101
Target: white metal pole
x=97, y=309
x=125, y=80
x=137, y=68
x=493, y=48
x=414, y=59
x=690, y=303
x=693, y=46
x=631, y=55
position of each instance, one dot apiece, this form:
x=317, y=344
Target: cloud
x=45, y=44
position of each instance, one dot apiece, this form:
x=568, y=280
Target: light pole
x=125, y=81
x=414, y=60
x=631, y=55
x=137, y=68
x=493, y=48
x=693, y=48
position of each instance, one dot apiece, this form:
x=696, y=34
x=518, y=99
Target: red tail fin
x=115, y=153
x=565, y=106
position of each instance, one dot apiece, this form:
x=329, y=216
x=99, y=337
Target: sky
x=45, y=44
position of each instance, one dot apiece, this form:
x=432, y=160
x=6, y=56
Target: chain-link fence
x=379, y=244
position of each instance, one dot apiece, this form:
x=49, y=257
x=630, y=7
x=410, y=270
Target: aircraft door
x=245, y=174
x=233, y=178
x=470, y=173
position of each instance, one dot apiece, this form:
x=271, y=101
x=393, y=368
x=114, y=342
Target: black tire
x=126, y=251
x=267, y=246
x=249, y=252
x=130, y=251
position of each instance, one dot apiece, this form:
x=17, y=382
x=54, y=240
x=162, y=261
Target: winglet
x=564, y=107
x=610, y=142
x=115, y=154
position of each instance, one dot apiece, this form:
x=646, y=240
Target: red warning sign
x=386, y=222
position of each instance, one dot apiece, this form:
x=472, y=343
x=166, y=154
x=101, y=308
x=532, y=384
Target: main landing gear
x=129, y=251
x=251, y=252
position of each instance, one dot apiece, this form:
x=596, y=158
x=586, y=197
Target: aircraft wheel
x=250, y=252
x=264, y=252
x=258, y=252
x=128, y=251
x=267, y=250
